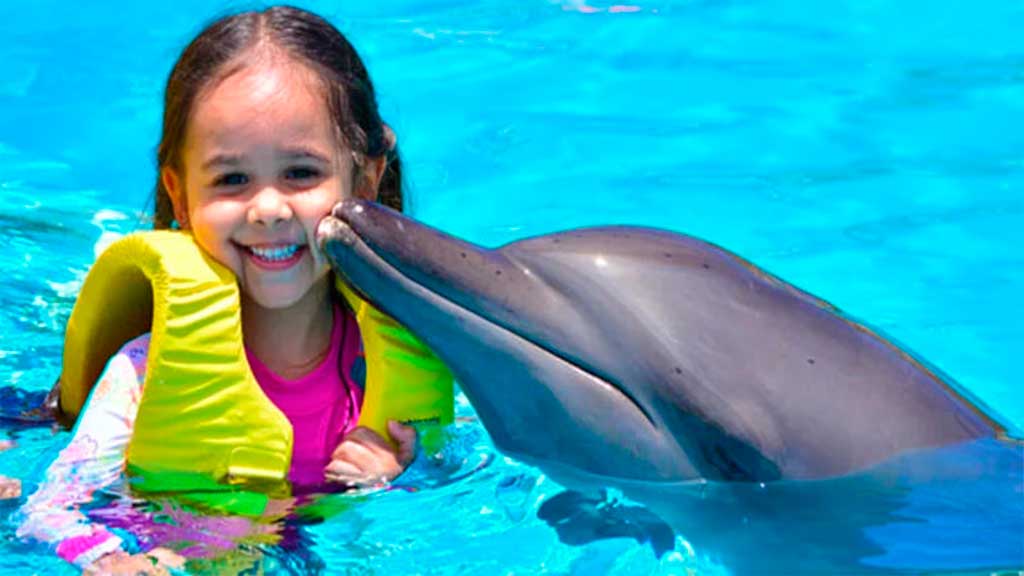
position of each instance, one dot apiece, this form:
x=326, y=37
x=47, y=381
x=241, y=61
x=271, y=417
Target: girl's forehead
x=268, y=97
x=264, y=73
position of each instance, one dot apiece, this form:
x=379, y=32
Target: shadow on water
x=956, y=509
x=21, y=408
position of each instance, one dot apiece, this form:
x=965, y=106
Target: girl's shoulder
x=137, y=350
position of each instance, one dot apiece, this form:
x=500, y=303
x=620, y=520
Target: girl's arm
x=94, y=459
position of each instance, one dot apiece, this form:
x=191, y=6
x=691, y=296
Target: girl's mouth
x=275, y=257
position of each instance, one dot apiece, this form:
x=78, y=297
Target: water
x=869, y=152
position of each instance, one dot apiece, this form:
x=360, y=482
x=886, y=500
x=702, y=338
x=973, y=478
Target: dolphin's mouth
x=337, y=229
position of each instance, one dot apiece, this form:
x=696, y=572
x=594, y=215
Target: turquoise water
x=869, y=152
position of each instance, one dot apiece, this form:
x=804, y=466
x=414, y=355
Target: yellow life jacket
x=202, y=415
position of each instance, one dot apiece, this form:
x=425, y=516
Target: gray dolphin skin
x=776, y=434
x=635, y=354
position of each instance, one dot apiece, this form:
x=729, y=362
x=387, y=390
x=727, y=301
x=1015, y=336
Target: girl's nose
x=269, y=207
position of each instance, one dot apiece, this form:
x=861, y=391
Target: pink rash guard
x=323, y=405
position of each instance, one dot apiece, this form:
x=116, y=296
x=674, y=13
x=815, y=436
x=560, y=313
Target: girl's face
x=261, y=167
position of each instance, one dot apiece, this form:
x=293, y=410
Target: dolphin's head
x=638, y=354
x=560, y=341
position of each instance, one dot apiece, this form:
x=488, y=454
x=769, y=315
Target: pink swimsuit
x=322, y=406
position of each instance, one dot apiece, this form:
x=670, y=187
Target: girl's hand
x=364, y=458
x=9, y=487
x=156, y=561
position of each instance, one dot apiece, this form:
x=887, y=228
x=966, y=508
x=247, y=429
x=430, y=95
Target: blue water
x=870, y=152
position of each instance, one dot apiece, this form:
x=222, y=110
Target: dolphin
x=774, y=431
x=641, y=354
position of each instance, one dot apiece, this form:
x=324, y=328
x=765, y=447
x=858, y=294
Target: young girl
x=270, y=119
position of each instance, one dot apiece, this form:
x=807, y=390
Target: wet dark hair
x=351, y=100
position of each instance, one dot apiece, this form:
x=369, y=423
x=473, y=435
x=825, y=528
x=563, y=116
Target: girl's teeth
x=275, y=254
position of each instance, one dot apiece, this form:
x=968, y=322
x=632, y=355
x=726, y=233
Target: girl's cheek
x=220, y=212
x=335, y=190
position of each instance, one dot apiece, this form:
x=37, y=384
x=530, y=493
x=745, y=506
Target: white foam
x=70, y=288
x=105, y=215
x=106, y=239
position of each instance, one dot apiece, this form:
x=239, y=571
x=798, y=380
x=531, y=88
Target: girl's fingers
x=167, y=557
x=360, y=452
x=9, y=487
x=343, y=470
x=405, y=436
x=364, y=439
x=366, y=457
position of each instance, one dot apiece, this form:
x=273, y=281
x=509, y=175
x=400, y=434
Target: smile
x=275, y=257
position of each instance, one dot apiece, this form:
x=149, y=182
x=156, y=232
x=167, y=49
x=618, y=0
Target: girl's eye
x=231, y=179
x=301, y=173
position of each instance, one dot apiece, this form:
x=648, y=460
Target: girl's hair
x=351, y=100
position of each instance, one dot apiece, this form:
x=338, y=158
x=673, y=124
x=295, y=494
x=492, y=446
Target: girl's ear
x=373, y=169
x=176, y=191
x=389, y=137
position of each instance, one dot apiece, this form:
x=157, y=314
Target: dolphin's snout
x=333, y=229
x=349, y=209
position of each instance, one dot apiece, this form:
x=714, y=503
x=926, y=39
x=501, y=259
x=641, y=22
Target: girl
x=270, y=119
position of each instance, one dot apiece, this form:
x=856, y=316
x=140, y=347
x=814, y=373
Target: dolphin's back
x=756, y=378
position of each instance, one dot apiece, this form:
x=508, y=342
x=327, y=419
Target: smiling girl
x=270, y=119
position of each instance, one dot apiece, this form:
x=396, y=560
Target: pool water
x=869, y=152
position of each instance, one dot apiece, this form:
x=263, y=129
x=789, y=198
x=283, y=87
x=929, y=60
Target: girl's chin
x=280, y=296
x=274, y=295
x=271, y=300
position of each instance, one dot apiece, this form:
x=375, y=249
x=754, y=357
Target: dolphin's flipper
x=581, y=519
